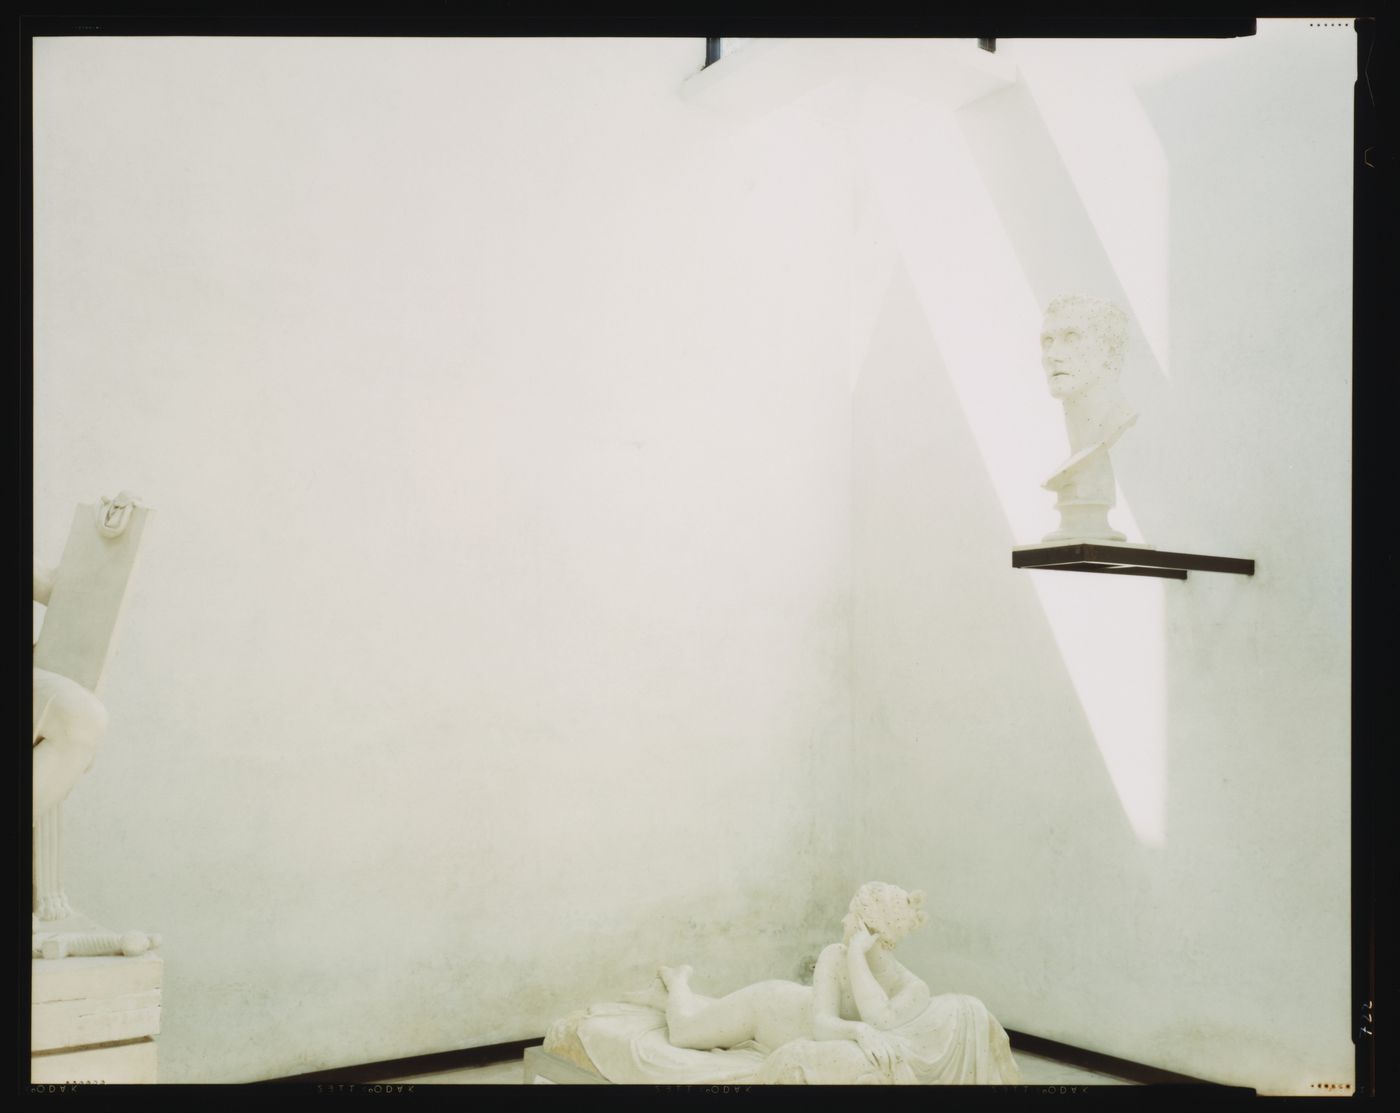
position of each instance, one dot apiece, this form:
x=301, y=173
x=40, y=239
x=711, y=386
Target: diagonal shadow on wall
x=991, y=790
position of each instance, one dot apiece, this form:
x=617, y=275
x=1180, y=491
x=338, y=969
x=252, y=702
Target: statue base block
x=81, y=1003
x=122, y=1064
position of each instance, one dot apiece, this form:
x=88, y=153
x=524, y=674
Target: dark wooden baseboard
x=418, y=1064
x=1100, y=1063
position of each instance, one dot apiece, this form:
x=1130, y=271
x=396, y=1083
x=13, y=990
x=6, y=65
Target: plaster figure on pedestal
x=68, y=723
x=1082, y=343
x=95, y=994
x=68, y=717
x=865, y=1018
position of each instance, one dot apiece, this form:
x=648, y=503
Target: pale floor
x=1035, y=1071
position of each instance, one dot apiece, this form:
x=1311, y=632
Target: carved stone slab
x=78, y=1002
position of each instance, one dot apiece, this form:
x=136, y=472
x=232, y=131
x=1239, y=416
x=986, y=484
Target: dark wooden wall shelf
x=1125, y=560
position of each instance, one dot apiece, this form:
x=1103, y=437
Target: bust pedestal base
x=1084, y=520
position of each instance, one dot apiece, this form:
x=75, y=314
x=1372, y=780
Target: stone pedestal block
x=95, y=1019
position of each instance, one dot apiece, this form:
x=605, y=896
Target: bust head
x=1082, y=342
x=887, y=911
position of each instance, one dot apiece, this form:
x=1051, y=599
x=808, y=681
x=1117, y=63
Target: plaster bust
x=1082, y=341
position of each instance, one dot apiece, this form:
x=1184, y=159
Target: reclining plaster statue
x=866, y=1018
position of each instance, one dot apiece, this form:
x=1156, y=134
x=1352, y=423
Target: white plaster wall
x=1128, y=799
x=490, y=644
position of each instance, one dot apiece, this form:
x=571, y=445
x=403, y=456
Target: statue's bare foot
x=672, y=976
